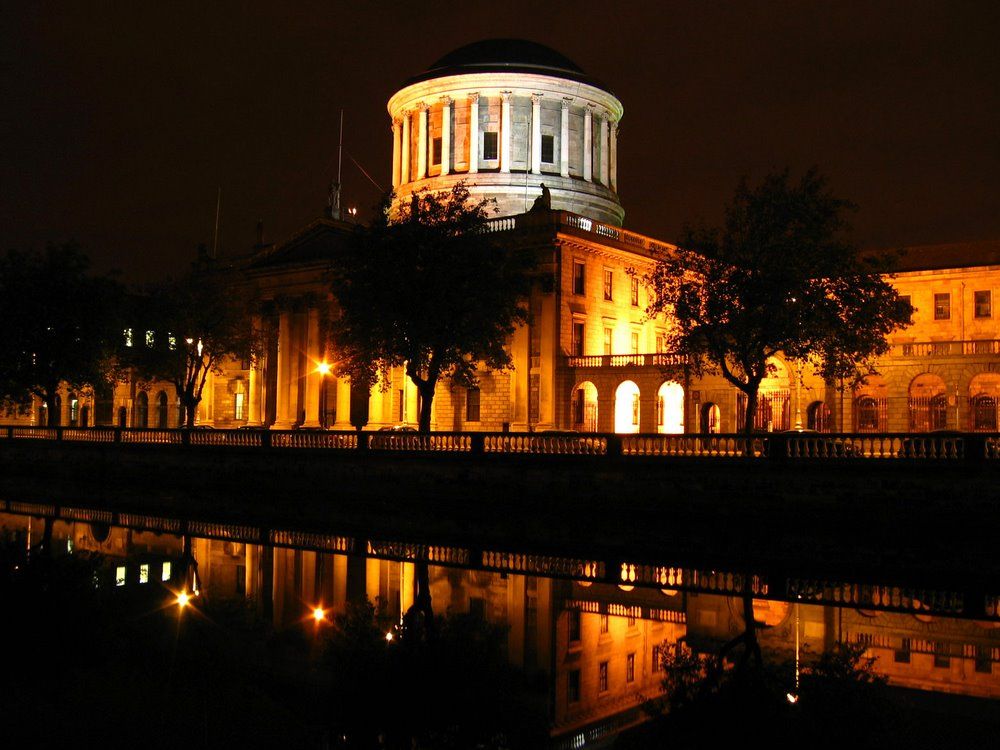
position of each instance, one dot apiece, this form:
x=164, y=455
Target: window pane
x=984, y=304
x=607, y=285
x=942, y=306
x=490, y=146
x=579, y=269
x=548, y=149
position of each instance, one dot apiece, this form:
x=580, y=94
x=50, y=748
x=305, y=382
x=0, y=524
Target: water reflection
x=597, y=645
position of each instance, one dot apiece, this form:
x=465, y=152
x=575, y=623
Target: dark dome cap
x=506, y=56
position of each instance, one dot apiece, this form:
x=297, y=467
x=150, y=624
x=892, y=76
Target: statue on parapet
x=544, y=201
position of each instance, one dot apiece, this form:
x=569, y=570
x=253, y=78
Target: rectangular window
x=660, y=342
x=608, y=279
x=984, y=659
x=402, y=406
x=120, y=575
x=128, y=337
x=472, y=405
x=984, y=304
x=436, y=151
x=165, y=574
x=941, y=658
x=902, y=655
x=171, y=342
x=573, y=685
x=578, y=339
x=604, y=623
x=635, y=342
x=657, y=659
x=630, y=668
x=579, y=274
x=150, y=339
x=602, y=677
x=144, y=573
x=548, y=149
x=942, y=306
x=238, y=406
x=490, y=146
x=608, y=337
x=635, y=291
x=574, y=625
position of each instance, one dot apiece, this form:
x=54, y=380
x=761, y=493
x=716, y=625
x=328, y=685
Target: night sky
x=118, y=125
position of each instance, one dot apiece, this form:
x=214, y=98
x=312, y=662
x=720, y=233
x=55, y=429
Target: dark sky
x=118, y=124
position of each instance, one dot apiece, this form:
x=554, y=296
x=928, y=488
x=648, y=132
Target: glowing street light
x=324, y=368
x=319, y=614
x=183, y=599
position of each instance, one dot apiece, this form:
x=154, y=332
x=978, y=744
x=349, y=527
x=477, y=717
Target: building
x=509, y=116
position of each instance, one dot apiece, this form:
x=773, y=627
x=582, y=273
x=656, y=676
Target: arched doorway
x=627, y=407
x=711, y=419
x=122, y=416
x=818, y=416
x=928, y=403
x=984, y=398
x=85, y=416
x=74, y=410
x=162, y=410
x=773, y=400
x=871, y=405
x=670, y=408
x=584, y=407
x=141, y=416
x=43, y=414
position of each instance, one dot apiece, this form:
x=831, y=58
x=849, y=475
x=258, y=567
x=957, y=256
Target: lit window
x=604, y=623
x=472, y=405
x=661, y=345
x=171, y=341
x=436, y=151
x=635, y=292
x=630, y=668
x=490, y=143
x=579, y=273
x=238, y=409
x=603, y=677
x=608, y=279
x=120, y=575
x=128, y=337
x=150, y=339
x=942, y=306
x=984, y=304
x=608, y=333
x=578, y=333
x=635, y=342
x=165, y=575
x=69, y=546
x=548, y=149
x=144, y=573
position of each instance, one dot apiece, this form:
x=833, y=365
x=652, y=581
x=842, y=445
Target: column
x=282, y=419
x=564, y=140
x=396, y=144
x=604, y=149
x=613, y=156
x=473, y=133
x=253, y=410
x=343, y=404
x=505, y=125
x=536, y=133
x=445, y=135
x=422, y=141
x=588, y=143
x=404, y=168
x=312, y=376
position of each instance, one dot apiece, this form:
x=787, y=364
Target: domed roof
x=505, y=56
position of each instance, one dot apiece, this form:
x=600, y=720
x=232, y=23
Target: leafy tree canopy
x=778, y=276
x=428, y=288
x=61, y=325
x=196, y=323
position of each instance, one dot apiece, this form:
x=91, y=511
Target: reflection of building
x=507, y=117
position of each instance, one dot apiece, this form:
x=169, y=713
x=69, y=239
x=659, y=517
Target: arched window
x=867, y=414
x=670, y=408
x=162, y=410
x=627, y=407
x=85, y=416
x=584, y=407
x=927, y=402
x=122, y=416
x=711, y=419
x=984, y=413
x=141, y=416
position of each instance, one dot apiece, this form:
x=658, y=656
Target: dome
x=505, y=55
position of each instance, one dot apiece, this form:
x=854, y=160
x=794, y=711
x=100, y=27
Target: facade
x=508, y=117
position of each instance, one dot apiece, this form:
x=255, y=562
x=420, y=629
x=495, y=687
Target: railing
x=946, y=348
x=627, y=360
x=947, y=447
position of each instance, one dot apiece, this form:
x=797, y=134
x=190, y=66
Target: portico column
x=536, y=133
x=312, y=375
x=396, y=134
x=473, y=133
x=445, y=135
x=343, y=404
x=604, y=150
x=505, y=126
x=253, y=411
x=588, y=143
x=564, y=140
x=613, y=156
x=404, y=171
x=422, y=141
x=282, y=419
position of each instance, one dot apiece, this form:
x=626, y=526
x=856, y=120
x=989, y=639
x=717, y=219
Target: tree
x=779, y=276
x=430, y=289
x=61, y=325
x=194, y=324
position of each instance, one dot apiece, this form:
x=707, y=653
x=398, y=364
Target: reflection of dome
x=505, y=55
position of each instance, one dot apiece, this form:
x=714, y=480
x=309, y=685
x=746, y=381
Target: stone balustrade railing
x=921, y=349
x=806, y=446
x=661, y=359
